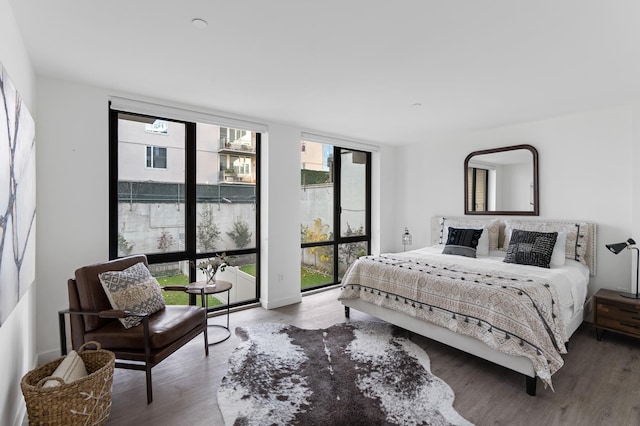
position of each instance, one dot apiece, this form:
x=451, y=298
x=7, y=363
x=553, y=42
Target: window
x=188, y=213
x=335, y=205
x=156, y=157
x=478, y=181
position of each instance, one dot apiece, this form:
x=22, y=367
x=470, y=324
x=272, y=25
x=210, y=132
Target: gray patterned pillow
x=576, y=241
x=462, y=242
x=134, y=290
x=531, y=248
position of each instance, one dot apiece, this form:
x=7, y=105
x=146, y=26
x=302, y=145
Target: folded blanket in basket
x=70, y=369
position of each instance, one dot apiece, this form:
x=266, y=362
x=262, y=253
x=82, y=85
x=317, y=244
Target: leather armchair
x=138, y=348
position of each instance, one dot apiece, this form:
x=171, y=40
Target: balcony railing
x=232, y=176
x=236, y=145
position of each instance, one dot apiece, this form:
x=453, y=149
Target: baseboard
x=273, y=304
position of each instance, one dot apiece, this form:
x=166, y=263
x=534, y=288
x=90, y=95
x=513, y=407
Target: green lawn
x=178, y=297
x=310, y=278
x=249, y=269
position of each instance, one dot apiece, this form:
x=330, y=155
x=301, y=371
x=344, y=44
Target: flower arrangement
x=211, y=265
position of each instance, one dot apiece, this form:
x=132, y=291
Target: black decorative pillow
x=531, y=248
x=462, y=242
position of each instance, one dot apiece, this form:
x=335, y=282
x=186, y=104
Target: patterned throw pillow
x=489, y=238
x=531, y=248
x=462, y=242
x=576, y=241
x=133, y=290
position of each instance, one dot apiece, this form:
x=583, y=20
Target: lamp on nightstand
x=630, y=245
x=406, y=239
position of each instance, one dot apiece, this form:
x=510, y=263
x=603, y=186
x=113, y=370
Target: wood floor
x=598, y=385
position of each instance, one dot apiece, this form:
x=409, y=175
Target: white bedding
x=570, y=280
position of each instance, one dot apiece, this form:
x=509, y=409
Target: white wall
x=280, y=220
x=386, y=231
x=514, y=178
x=634, y=159
x=18, y=332
x=73, y=213
x=586, y=169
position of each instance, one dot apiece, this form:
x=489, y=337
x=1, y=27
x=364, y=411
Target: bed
x=519, y=316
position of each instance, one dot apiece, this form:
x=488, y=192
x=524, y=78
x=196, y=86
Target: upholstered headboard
x=581, y=240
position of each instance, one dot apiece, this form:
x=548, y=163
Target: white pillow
x=559, y=250
x=70, y=369
x=483, y=242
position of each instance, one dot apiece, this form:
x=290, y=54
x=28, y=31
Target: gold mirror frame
x=534, y=191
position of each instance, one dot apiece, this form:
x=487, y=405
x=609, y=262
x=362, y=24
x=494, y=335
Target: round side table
x=204, y=289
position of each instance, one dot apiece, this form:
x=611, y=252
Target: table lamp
x=629, y=245
x=406, y=238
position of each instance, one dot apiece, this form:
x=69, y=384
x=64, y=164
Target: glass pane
x=316, y=195
x=159, y=158
x=226, y=189
x=151, y=198
x=241, y=273
x=348, y=253
x=317, y=266
x=172, y=273
x=353, y=191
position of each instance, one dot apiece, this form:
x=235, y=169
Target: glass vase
x=211, y=279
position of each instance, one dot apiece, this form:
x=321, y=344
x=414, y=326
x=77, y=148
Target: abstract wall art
x=17, y=197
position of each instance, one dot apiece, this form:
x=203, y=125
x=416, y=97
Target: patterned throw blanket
x=514, y=314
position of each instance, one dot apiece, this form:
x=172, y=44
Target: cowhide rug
x=358, y=373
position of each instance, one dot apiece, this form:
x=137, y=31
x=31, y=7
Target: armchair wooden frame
x=138, y=348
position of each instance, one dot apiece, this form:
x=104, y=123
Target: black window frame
x=190, y=253
x=338, y=239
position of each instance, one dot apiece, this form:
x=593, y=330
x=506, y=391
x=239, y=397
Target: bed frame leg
x=531, y=385
x=346, y=312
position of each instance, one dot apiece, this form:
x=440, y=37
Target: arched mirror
x=502, y=181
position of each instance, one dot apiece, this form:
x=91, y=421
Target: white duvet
x=570, y=280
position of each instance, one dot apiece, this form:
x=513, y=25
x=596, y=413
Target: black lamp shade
x=618, y=247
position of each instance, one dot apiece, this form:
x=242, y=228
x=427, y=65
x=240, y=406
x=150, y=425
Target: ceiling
x=388, y=72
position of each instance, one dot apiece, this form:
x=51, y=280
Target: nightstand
x=616, y=313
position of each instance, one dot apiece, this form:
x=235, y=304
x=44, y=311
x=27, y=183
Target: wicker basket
x=86, y=401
